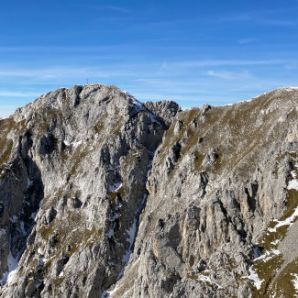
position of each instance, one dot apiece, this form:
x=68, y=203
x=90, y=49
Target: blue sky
x=194, y=52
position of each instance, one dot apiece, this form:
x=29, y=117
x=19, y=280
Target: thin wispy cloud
x=57, y=48
x=223, y=62
x=112, y=8
x=9, y=93
x=192, y=53
x=274, y=17
x=116, y=8
x=137, y=70
x=62, y=73
x=274, y=22
x=228, y=75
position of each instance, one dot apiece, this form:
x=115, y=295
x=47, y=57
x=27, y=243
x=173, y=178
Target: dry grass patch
x=268, y=269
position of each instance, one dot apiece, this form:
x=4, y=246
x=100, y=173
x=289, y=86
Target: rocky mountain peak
x=104, y=196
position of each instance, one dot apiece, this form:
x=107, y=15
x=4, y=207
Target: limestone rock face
x=103, y=196
x=165, y=110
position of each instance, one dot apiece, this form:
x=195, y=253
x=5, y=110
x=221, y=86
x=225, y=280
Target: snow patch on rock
x=295, y=283
x=131, y=238
x=9, y=276
x=268, y=255
x=207, y=279
x=73, y=144
x=253, y=276
x=287, y=222
x=291, y=88
x=115, y=187
x=275, y=242
x=293, y=184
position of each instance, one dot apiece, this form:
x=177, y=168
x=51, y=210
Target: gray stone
x=103, y=196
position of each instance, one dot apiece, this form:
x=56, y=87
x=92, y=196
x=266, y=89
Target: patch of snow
x=74, y=144
x=66, y=143
x=12, y=277
x=293, y=184
x=42, y=260
x=291, y=88
x=33, y=215
x=110, y=233
x=205, y=278
x=23, y=230
x=131, y=237
x=107, y=294
x=115, y=187
x=253, y=276
x=132, y=233
x=9, y=276
x=137, y=103
x=40, y=251
x=295, y=283
x=287, y=222
x=275, y=242
x=268, y=255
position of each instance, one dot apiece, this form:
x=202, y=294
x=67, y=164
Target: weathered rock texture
x=103, y=196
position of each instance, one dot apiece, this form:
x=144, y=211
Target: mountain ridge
x=145, y=199
x=281, y=89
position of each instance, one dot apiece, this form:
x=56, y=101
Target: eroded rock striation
x=104, y=196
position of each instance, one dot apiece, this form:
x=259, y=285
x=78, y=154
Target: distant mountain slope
x=103, y=196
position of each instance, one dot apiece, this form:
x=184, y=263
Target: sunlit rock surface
x=103, y=196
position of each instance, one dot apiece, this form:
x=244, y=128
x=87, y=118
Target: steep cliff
x=103, y=196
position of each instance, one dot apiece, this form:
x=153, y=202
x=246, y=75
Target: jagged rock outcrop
x=166, y=110
x=103, y=196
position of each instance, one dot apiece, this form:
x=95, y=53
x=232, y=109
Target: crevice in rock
x=134, y=228
x=251, y=196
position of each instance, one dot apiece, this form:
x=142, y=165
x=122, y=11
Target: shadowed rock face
x=103, y=196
